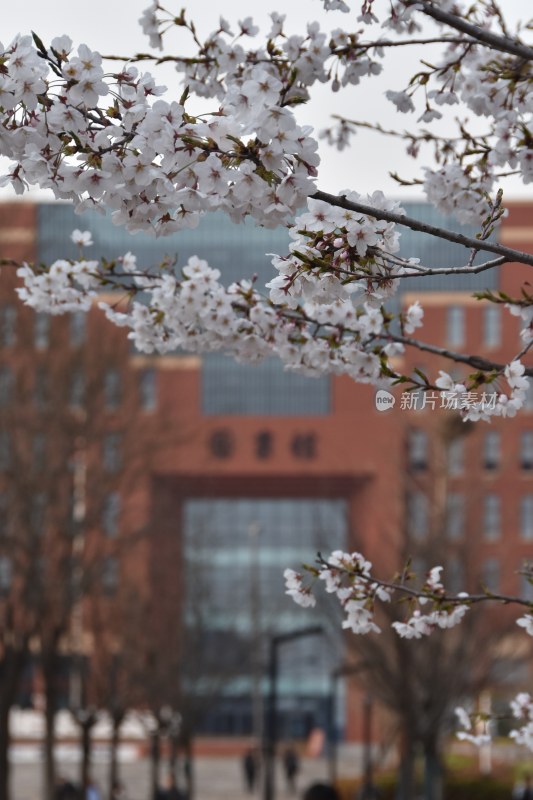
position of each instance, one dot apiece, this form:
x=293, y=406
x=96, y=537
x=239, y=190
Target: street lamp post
x=270, y=733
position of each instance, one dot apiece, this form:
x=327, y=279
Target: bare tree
x=420, y=681
x=75, y=442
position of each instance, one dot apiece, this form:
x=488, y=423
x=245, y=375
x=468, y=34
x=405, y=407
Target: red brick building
x=224, y=475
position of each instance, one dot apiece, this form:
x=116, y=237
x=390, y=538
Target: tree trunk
x=4, y=750
x=113, y=751
x=155, y=757
x=13, y=664
x=49, y=742
x=49, y=668
x=173, y=756
x=433, y=773
x=86, y=727
x=405, y=789
x=188, y=767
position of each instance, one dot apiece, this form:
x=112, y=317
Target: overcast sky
x=111, y=26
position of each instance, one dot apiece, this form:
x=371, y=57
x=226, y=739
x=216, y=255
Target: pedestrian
x=92, y=792
x=170, y=790
x=369, y=791
x=321, y=791
x=66, y=790
x=118, y=791
x=250, y=769
x=291, y=766
x=523, y=791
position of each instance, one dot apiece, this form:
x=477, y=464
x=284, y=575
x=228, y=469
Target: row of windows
x=455, y=327
x=109, y=574
x=77, y=388
x=490, y=518
x=491, y=326
x=418, y=451
x=41, y=328
x=111, y=452
x=37, y=505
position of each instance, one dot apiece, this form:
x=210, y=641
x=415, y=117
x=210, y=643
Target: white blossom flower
x=413, y=317
x=526, y=622
x=83, y=238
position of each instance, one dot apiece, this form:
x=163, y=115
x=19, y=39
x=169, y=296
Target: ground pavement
x=217, y=778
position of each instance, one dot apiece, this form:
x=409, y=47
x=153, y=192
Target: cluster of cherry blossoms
x=476, y=727
x=196, y=312
x=325, y=312
x=500, y=403
x=348, y=576
x=105, y=139
x=493, y=83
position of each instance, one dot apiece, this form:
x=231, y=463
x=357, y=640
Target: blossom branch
x=409, y=222
x=477, y=362
x=494, y=41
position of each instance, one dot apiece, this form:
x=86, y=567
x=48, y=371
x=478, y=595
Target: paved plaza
x=217, y=778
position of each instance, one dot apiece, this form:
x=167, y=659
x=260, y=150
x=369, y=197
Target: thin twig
x=421, y=271
x=451, y=599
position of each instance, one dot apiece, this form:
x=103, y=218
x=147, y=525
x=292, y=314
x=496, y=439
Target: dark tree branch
x=477, y=362
x=423, y=227
x=496, y=42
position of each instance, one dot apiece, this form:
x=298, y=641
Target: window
x=260, y=389
x=41, y=330
x=8, y=322
x=4, y=515
x=5, y=450
x=112, y=388
x=526, y=517
x=455, y=575
x=38, y=447
x=490, y=575
x=491, y=516
x=455, y=326
x=455, y=509
x=417, y=515
x=528, y=401
x=110, y=514
x=220, y=540
x=111, y=452
x=492, y=326
x=419, y=568
x=7, y=382
x=78, y=325
x=40, y=393
x=37, y=511
x=526, y=449
x=6, y=574
x=76, y=398
x=109, y=575
x=148, y=389
x=417, y=445
x=455, y=456
x=491, y=450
